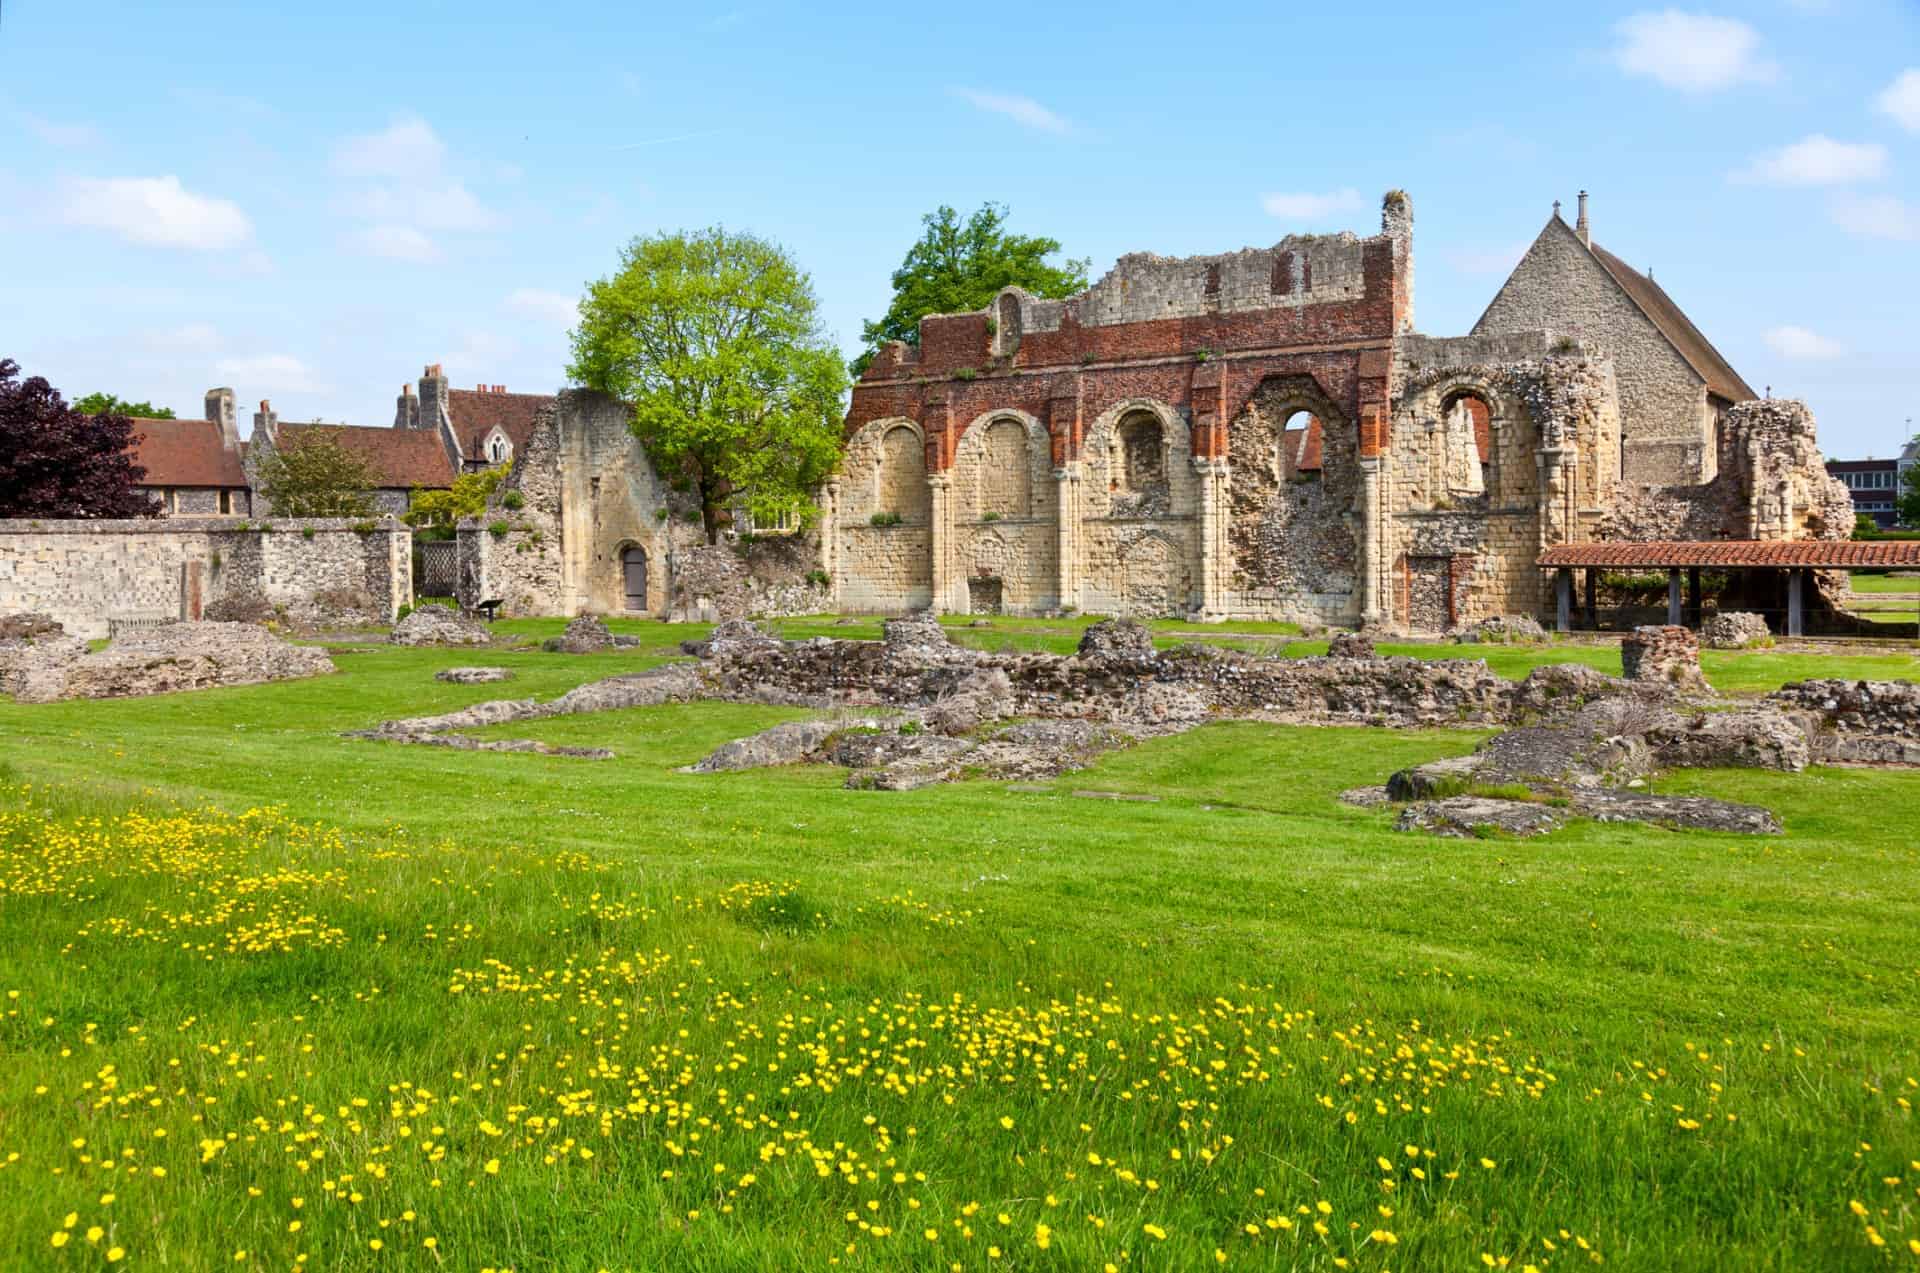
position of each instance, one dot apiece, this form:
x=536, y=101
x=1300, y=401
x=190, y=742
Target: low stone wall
x=308, y=571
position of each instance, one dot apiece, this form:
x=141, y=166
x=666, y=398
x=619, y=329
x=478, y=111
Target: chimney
x=265, y=422
x=1580, y=227
x=433, y=398
x=406, y=409
x=220, y=410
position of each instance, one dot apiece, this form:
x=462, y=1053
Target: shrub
x=819, y=578
x=306, y=532
x=990, y=516
x=514, y=500
x=499, y=530
x=884, y=519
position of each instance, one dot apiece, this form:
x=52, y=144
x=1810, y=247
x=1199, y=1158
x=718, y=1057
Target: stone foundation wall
x=310, y=571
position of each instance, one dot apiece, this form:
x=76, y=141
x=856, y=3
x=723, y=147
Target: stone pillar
x=1211, y=476
x=1796, y=603
x=1593, y=608
x=1563, y=599
x=939, y=537
x=1067, y=570
x=1372, y=547
x=830, y=538
x=1673, y=598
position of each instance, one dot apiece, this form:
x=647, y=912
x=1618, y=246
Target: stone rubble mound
x=1857, y=722
x=1122, y=640
x=587, y=634
x=472, y=675
x=161, y=660
x=916, y=634
x=1504, y=629
x=1734, y=630
x=440, y=625
x=1664, y=654
x=30, y=626
x=1350, y=645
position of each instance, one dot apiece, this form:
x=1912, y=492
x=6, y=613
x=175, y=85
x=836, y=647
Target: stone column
x=1067, y=570
x=830, y=538
x=1563, y=599
x=1372, y=542
x=1796, y=603
x=939, y=536
x=1674, y=612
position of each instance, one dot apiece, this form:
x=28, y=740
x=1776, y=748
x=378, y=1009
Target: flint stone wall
x=311, y=570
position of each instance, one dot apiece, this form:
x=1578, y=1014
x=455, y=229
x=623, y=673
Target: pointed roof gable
x=1653, y=302
x=184, y=453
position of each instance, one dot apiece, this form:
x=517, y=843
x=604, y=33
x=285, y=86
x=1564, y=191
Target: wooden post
x=1593, y=610
x=1796, y=605
x=1693, y=596
x=1563, y=599
x=1673, y=597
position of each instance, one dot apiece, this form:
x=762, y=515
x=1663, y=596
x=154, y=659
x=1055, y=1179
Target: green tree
x=1909, y=503
x=956, y=268
x=108, y=404
x=715, y=339
x=467, y=497
x=317, y=477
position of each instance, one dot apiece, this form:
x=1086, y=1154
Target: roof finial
x=1556, y=207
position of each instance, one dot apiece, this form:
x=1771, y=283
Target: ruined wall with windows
x=1262, y=435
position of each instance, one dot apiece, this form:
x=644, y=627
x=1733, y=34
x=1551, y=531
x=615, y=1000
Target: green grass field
x=277, y=999
x=1885, y=583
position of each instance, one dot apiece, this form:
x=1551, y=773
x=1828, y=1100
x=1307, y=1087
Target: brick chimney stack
x=1580, y=226
x=220, y=410
x=406, y=409
x=265, y=423
x=433, y=397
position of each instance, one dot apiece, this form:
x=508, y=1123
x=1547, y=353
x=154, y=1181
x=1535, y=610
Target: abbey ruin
x=1264, y=435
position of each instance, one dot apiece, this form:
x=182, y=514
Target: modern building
x=1874, y=485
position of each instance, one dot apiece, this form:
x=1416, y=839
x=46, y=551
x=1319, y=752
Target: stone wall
x=308, y=571
x=1560, y=287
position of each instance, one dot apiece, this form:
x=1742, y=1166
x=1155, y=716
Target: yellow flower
x=1042, y=1236
x=115, y=1254
x=59, y=1237
x=1488, y=1163
x=1006, y=1122
x=493, y=1166
x=1155, y=1232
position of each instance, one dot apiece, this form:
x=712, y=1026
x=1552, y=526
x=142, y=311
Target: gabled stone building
x=1263, y=435
x=195, y=467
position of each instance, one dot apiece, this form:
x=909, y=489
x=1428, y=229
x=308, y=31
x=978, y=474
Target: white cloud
x=157, y=211
x=1312, y=207
x=267, y=374
x=550, y=307
x=402, y=149
x=1902, y=100
x=1493, y=260
x=1818, y=160
x=56, y=133
x=1692, y=52
x=449, y=206
x=1877, y=217
x=1801, y=343
x=1021, y=110
x=190, y=338
x=411, y=196
x=396, y=243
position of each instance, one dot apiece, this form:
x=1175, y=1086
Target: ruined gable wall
x=1560, y=288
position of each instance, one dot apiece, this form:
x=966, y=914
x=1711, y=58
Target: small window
x=498, y=449
x=226, y=503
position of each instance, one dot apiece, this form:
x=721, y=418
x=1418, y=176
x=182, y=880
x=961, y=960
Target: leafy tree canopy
x=317, y=477
x=715, y=339
x=58, y=461
x=959, y=267
x=1909, y=503
x=108, y=404
x=467, y=497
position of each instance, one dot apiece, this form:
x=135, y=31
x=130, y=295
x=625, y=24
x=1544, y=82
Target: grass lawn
x=270, y=994
x=1885, y=583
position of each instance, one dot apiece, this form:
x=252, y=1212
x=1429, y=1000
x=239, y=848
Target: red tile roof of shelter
x=184, y=453
x=475, y=414
x=404, y=458
x=1758, y=553
x=1652, y=300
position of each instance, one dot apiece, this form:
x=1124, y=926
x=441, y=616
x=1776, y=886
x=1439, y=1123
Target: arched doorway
x=633, y=569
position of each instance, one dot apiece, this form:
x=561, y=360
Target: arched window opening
x=902, y=485
x=498, y=449
x=1467, y=444
x=1300, y=448
x=1139, y=480
x=1006, y=476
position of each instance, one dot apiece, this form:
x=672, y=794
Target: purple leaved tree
x=56, y=461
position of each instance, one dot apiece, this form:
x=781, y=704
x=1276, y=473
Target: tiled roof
x=404, y=458
x=184, y=453
x=1653, y=301
x=1816, y=553
x=474, y=415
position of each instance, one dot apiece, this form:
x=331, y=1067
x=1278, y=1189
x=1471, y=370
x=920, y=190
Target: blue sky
x=309, y=203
